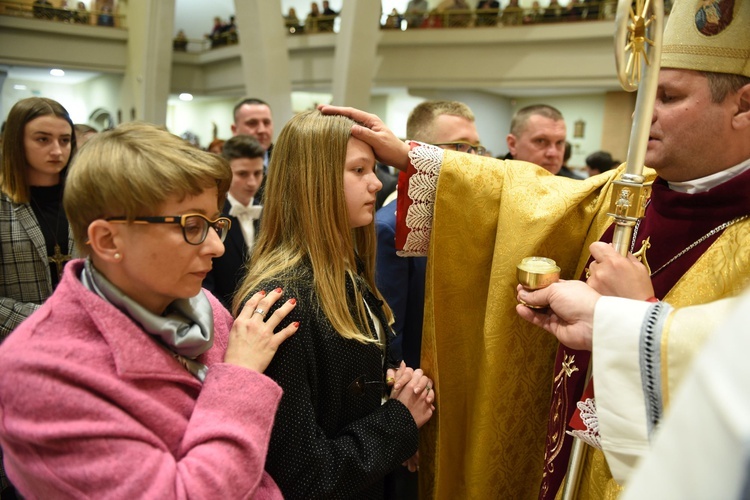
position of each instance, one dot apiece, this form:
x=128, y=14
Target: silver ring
x=261, y=312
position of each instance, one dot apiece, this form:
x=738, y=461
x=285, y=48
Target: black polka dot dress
x=332, y=437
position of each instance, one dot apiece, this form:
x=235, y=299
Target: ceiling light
x=186, y=97
x=57, y=72
x=19, y=87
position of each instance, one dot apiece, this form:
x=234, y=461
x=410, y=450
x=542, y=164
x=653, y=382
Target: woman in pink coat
x=131, y=381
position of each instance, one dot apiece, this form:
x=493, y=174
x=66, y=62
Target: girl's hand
x=416, y=394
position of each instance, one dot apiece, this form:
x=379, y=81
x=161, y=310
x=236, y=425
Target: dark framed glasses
x=194, y=226
x=464, y=147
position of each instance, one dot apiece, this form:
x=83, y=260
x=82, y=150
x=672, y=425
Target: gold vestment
x=492, y=370
x=722, y=271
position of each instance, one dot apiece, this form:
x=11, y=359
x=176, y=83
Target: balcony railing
x=509, y=16
x=317, y=24
x=47, y=12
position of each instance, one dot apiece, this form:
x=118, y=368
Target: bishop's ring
x=261, y=312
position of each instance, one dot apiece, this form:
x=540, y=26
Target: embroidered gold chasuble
x=722, y=271
x=492, y=370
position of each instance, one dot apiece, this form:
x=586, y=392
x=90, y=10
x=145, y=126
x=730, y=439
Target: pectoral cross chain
x=58, y=259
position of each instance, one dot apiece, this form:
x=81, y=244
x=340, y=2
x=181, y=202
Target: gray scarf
x=186, y=329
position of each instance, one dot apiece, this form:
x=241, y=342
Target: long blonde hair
x=305, y=220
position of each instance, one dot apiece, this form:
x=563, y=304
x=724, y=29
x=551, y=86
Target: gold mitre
x=708, y=35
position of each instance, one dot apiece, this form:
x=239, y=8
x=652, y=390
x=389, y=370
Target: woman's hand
x=614, y=275
x=413, y=463
x=398, y=378
x=570, y=316
x=252, y=343
x=414, y=389
x=388, y=148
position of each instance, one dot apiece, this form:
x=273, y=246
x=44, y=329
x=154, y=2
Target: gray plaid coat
x=25, y=281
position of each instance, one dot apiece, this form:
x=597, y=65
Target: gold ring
x=390, y=380
x=588, y=273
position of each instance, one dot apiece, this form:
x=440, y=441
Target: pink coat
x=92, y=407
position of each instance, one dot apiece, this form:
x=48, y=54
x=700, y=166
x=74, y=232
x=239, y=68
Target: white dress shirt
x=245, y=214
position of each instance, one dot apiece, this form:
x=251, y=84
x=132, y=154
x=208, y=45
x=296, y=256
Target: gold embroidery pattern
x=560, y=405
x=723, y=270
x=697, y=50
x=641, y=254
x=492, y=367
x=568, y=365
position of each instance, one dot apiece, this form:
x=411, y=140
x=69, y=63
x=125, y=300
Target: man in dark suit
x=245, y=156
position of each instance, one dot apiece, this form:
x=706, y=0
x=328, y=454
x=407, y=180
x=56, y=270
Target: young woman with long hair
x=35, y=241
x=338, y=430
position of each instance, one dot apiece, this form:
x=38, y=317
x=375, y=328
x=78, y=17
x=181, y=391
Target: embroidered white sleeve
x=426, y=160
x=588, y=415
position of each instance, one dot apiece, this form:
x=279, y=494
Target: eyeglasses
x=464, y=147
x=194, y=226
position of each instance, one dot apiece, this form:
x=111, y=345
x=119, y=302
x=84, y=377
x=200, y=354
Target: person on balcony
x=180, y=41
x=326, y=22
x=487, y=11
x=416, y=12
x=312, y=22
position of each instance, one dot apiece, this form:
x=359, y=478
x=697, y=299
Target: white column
x=355, y=59
x=265, y=57
x=148, y=71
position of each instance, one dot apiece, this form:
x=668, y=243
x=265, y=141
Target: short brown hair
x=723, y=84
x=420, y=125
x=13, y=173
x=133, y=169
x=250, y=101
x=242, y=146
x=521, y=117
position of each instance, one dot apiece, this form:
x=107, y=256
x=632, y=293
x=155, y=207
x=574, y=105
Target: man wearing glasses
x=537, y=135
x=448, y=124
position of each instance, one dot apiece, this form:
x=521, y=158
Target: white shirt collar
x=245, y=215
x=235, y=203
x=710, y=181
